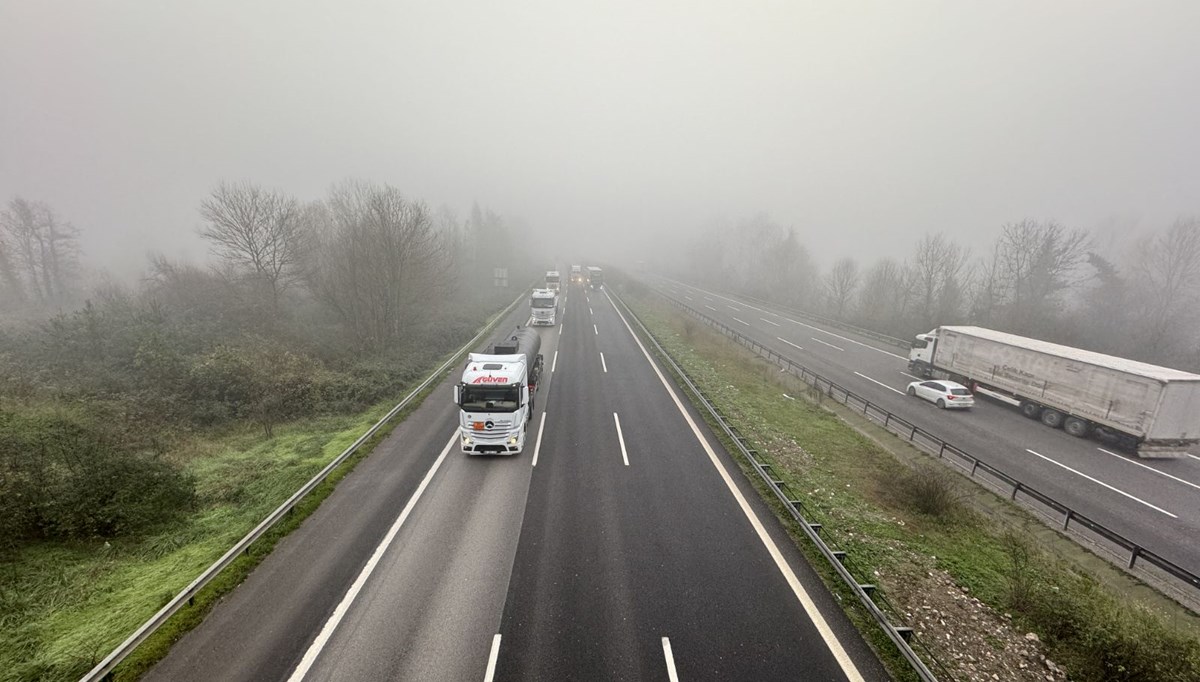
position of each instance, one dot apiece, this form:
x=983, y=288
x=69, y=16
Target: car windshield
x=491, y=398
x=960, y=391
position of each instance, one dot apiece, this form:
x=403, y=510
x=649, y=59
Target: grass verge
x=64, y=607
x=983, y=593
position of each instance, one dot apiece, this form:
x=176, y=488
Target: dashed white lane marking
x=590, y=312
x=790, y=343
x=1144, y=466
x=806, y=602
x=742, y=321
x=688, y=297
x=1193, y=456
x=826, y=343
x=492, y=658
x=621, y=439
x=864, y=345
x=554, y=362
x=1102, y=483
x=537, y=446
x=880, y=383
x=911, y=376
x=596, y=329
x=736, y=310
x=603, y=364
x=711, y=308
x=314, y=649
x=769, y=322
x=671, y=674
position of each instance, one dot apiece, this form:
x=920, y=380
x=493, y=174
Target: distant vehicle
x=495, y=396
x=944, y=394
x=577, y=274
x=1152, y=410
x=553, y=281
x=543, y=307
x=595, y=277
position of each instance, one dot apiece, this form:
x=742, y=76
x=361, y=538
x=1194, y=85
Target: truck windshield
x=491, y=398
x=542, y=302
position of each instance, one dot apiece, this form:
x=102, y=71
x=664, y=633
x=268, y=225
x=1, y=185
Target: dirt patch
x=966, y=635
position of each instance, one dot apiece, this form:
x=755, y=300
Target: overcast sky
x=860, y=124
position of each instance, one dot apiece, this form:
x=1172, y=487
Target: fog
x=609, y=129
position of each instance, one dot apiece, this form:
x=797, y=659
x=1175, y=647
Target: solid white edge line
x=603, y=364
x=864, y=345
x=493, y=656
x=802, y=595
x=554, y=362
x=826, y=343
x=314, y=649
x=769, y=321
x=537, y=444
x=1099, y=482
x=790, y=343
x=1144, y=466
x=880, y=383
x=742, y=321
x=672, y=675
x=621, y=439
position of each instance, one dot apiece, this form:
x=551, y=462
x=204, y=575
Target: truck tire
x=1052, y=418
x=1077, y=427
x=1031, y=410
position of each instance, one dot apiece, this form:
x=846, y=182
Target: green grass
x=64, y=607
x=869, y=502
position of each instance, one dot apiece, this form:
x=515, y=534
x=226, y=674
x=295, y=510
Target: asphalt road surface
x=1155, y=502
x=622, y=544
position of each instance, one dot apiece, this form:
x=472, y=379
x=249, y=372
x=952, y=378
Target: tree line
x=308, y=308
x=1039, y=278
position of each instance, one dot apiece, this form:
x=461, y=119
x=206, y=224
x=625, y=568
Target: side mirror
x=458, y=394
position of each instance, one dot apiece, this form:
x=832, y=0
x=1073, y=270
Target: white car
x=944, y=394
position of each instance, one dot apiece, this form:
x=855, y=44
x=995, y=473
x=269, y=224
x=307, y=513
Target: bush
x=929, y=489
x=64, y=478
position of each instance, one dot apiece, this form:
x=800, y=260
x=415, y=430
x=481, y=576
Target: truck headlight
x=512, y=440
x=467, y=440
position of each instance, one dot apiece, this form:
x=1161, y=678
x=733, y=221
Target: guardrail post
x=887, y=418
x=913, y=434
x=942, y=449
x=1133, y=555
x=1067, y=518
x=1016, y=488
x=974, y=466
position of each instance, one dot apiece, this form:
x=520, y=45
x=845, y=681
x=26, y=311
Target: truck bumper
x=475, y=443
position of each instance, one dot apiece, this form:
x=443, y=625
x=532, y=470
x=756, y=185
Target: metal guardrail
x=103, y=670
x=830, y=322
x=1165, y=573
x=871, y=599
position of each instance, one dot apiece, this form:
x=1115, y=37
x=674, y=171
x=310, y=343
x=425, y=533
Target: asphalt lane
x=1154, y=502
x=613, y=558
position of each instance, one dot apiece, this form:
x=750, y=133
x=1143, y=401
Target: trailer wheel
x=1077, y=427
x=1052, y=418
x=1031, y=410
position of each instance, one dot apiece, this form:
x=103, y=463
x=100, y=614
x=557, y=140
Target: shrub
x=64, y=478
x=929, y=489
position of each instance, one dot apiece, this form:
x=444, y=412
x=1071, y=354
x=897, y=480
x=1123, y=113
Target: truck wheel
x=1076, y=427
x=1031, y=410
x=1052, y=418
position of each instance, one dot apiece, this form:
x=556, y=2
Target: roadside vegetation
x=145, y=428
x=988, y=594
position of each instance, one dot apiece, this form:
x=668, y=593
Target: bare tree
x=936, y=274
x=40, y=252
x=1036, y=262
x=379, y=263
x=841, y=283
x=255, y=229
x=1167, y=287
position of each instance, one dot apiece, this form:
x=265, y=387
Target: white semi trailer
x=495, y=396
x=1153, y=410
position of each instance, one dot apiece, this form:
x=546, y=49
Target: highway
x=622, y=544
x=1156, y=502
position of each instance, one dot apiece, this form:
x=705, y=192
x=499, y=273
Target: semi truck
x=543, y=307
x=577, y=274
x=553, y=280
x=1152, y=410
x=595, y=277
x=495, y=395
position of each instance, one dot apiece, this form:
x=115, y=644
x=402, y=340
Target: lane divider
x=1102, y=483
x=672, y=675
x=537, y=445
x=879, y=383
x=621, y=439
x=493, y=656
